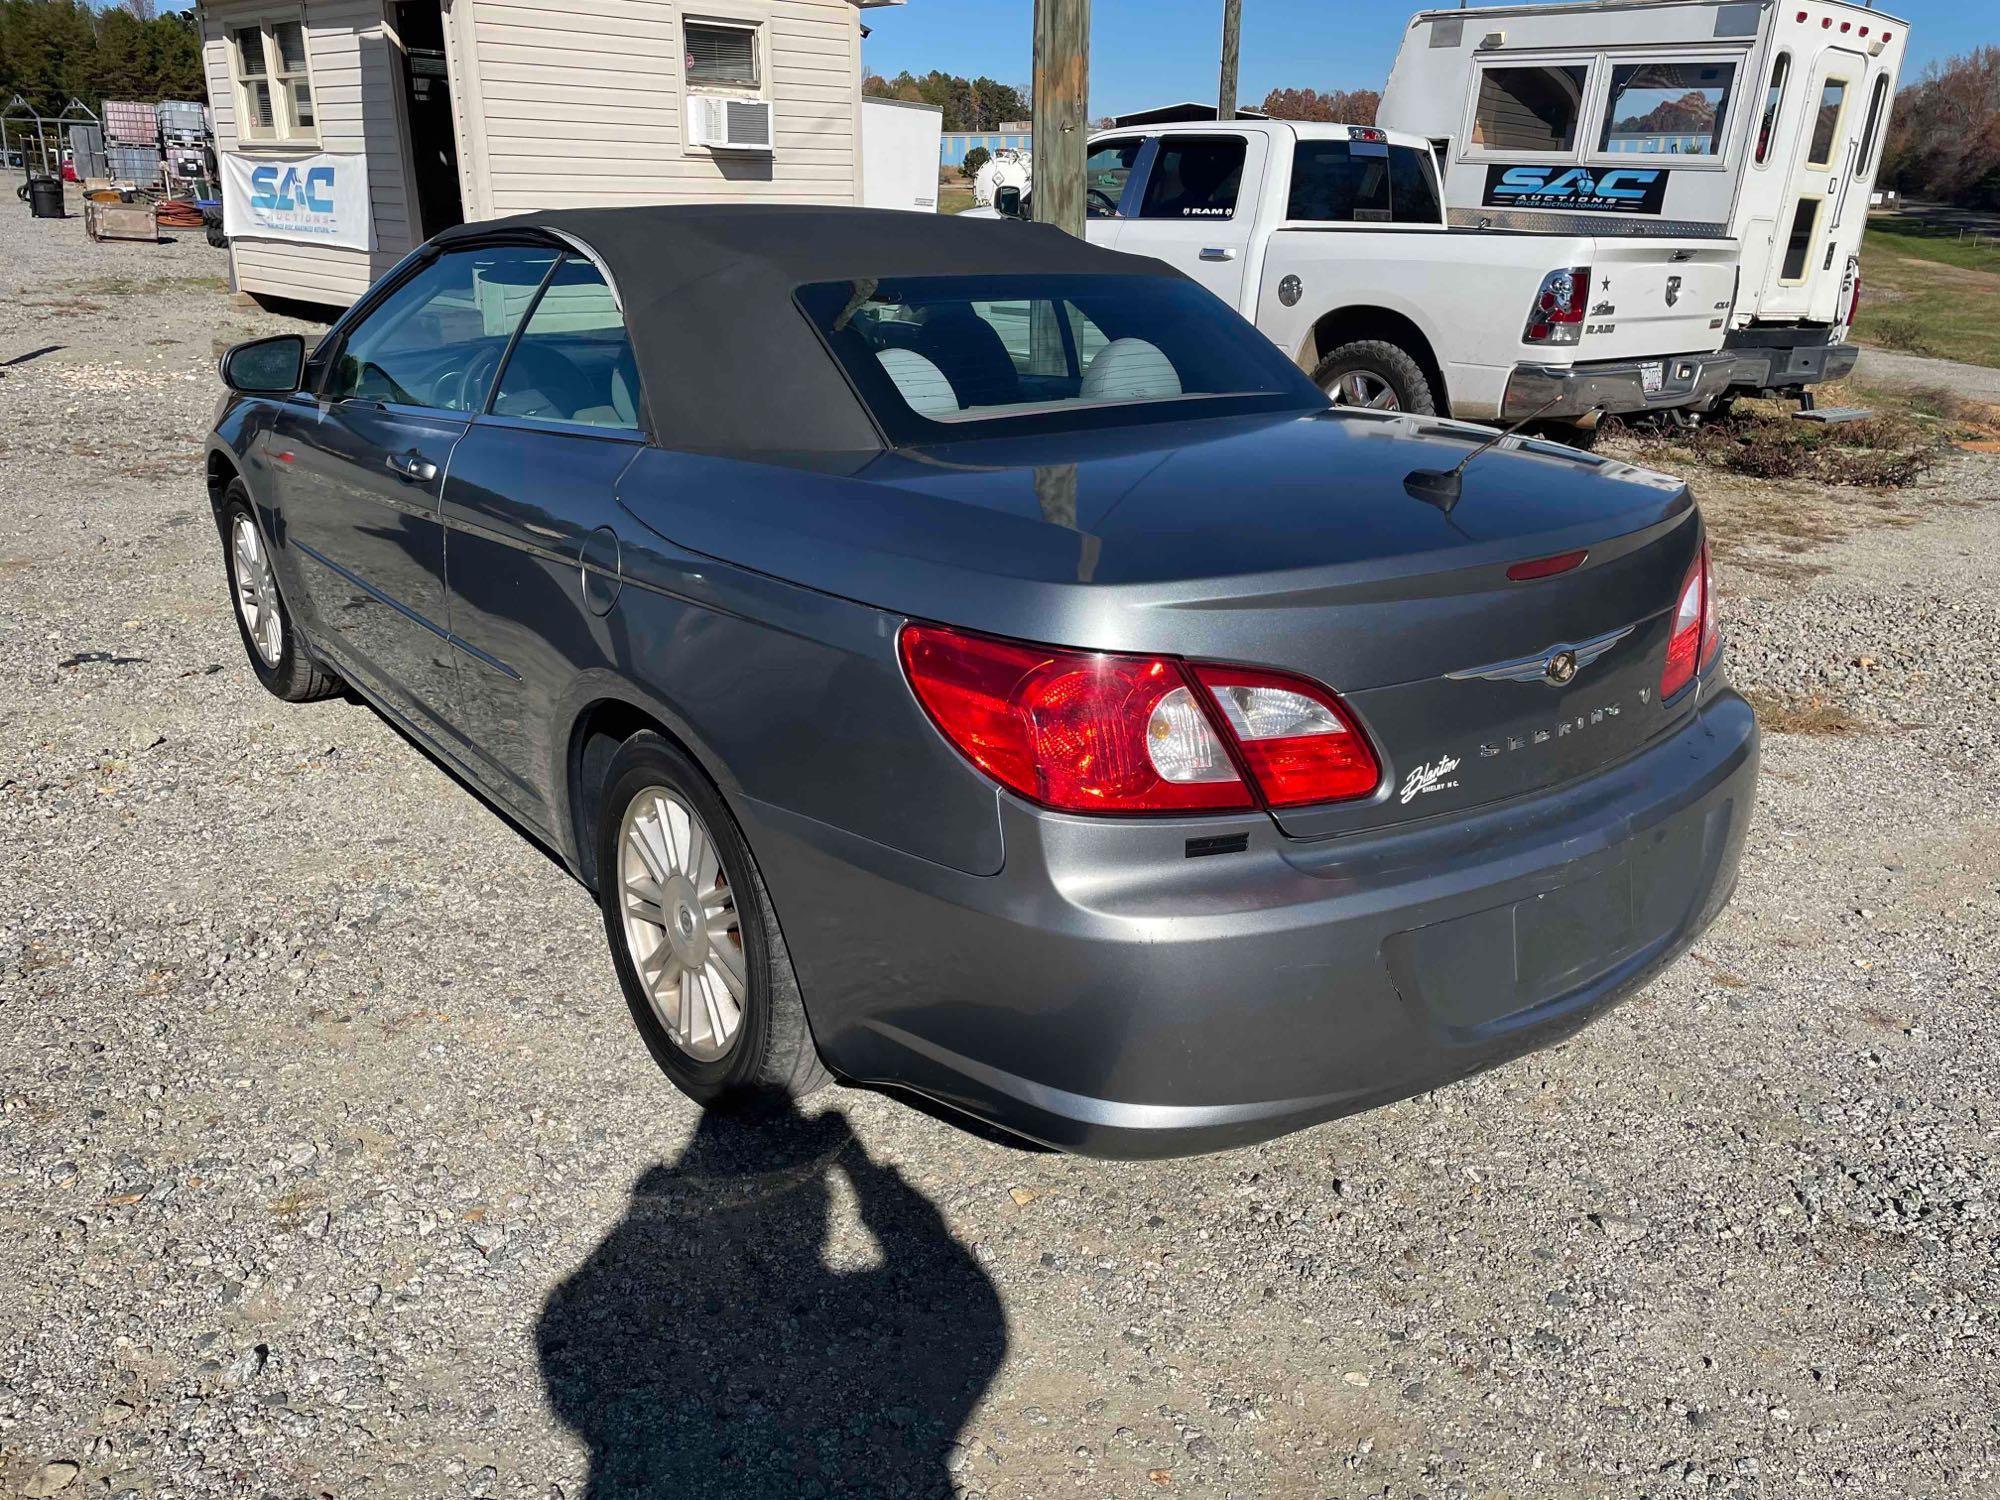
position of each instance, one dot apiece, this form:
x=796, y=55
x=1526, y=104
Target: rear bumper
x=1106, y=993
x=1615, y=386
x=1765, y=367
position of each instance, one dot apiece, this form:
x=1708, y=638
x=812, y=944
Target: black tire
x=216, y=237
x=1383, y=363
x=297, y=677
x=771, y=1060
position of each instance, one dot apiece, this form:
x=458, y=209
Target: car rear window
x=939, y=358
x=1362, y=182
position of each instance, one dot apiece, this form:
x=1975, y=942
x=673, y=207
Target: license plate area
x=1472, y=971
x=1652, y=377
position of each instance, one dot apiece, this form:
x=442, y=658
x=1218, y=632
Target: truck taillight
x=1695, y=640
x=1557, y=316
x=1853, y=293
x=1098, y=732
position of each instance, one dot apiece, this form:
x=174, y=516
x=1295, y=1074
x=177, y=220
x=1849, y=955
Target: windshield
x=938, y=358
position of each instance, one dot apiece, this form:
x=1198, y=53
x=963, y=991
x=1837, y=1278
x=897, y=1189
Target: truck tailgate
x=1655, y=297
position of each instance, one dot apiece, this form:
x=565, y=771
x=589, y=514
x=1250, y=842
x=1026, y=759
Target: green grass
x=1926, y=292
x=954, y=194
x=1929, y=241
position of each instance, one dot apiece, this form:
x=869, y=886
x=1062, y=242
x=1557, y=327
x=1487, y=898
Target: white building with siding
x=473, y=109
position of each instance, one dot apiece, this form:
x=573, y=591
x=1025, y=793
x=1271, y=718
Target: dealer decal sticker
x=1429, y=777
x=1600, y=190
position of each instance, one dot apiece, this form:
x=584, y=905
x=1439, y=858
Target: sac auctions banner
x=316, y=200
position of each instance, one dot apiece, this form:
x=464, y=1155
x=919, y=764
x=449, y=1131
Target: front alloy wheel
x=256, y=591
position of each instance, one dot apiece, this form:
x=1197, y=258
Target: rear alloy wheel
x=277, y=655
x=696, y=945
x=1377, y=375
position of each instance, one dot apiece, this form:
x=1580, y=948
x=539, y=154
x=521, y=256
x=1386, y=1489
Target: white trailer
x=900, y=143
x=1751, y=124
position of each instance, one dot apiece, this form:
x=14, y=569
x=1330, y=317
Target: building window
x=274, y=98
x=721, y=56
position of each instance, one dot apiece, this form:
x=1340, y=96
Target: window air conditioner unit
x=727, y=123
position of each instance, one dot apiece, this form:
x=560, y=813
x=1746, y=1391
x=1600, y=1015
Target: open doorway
x=427, y=108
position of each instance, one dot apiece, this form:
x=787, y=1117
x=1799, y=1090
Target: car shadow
x=706, y=1348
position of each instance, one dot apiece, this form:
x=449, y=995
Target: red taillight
x=1557, y=316
x=1298, y=742
x=1854, y=297
x=1096, y=732
x=1695, y=640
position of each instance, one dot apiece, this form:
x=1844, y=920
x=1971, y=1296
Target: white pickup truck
x=1332, y=239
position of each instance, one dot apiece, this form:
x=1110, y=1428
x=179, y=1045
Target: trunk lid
x=1652, y=297
x=1288, y=543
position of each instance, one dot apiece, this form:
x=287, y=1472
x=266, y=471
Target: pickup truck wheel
x=1369, y=372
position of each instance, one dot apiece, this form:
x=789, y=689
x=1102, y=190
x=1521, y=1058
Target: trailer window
x=1868, y=131
x=1805, y=217
x=1774, y=95
x=1194, y=177
x=1667, y=108
x=1826, y=125
x=1528, y=108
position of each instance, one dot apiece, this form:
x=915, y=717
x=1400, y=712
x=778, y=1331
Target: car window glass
x=1194, y=177
x=1362, y=182
x=1667, y=108
x=437, y=339
x=1332, y=182
x=1090, y=339
x=1105, y=172
x=573, y=361
x=934, y=356
x=1413, y=187
x=1528, y=108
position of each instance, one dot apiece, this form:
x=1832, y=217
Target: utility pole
x=1232, y=40
x=1062, y=99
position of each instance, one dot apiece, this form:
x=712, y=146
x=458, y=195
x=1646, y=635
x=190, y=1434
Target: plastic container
x=130, y=124
x=45, y=198
x=137, y=165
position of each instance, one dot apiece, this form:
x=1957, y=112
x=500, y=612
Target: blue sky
x=1159, y=51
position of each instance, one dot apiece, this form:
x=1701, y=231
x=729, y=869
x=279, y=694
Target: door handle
x=1219, y=252
x=413, y=467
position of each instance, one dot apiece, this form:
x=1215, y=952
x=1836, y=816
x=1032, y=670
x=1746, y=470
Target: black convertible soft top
x=726, y=358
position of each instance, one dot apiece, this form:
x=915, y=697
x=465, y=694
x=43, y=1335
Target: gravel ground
x=330, y=1163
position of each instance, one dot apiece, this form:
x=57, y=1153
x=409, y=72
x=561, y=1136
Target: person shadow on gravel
x=705, y=1347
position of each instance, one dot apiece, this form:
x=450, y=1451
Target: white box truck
x=900, y=142
x=1753, y=127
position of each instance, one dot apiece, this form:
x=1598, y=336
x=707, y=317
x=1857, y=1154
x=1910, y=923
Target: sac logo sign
x=320, y=199
x=1602, y=190
x=289, y=190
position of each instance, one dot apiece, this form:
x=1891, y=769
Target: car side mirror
x=1007, y=200
x=265, y=367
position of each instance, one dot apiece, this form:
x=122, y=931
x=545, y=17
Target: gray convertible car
x=964, y=660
